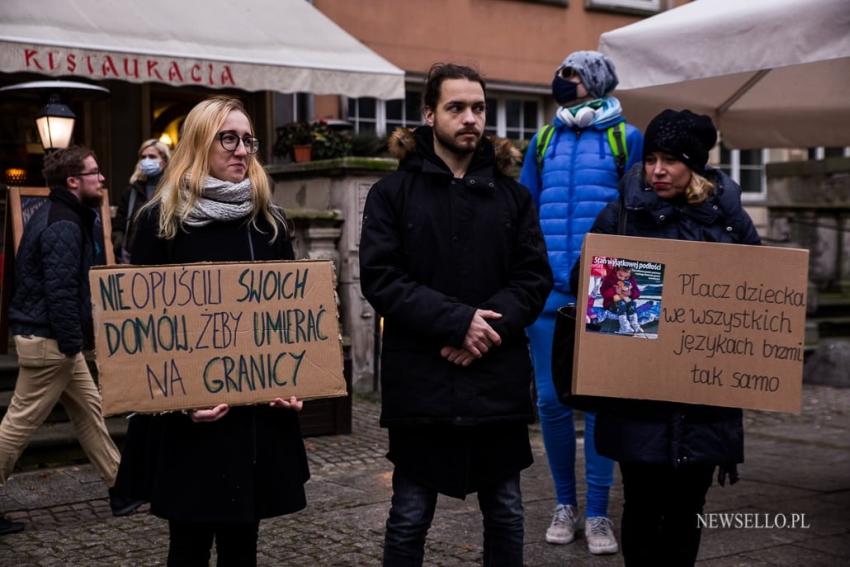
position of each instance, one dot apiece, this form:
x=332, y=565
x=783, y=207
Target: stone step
x=8, y=371
x=56, y=444
x=831, y=304
x=57, y=414
x=831, y=326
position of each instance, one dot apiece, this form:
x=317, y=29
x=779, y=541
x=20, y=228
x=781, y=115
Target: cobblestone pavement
x=795, y=465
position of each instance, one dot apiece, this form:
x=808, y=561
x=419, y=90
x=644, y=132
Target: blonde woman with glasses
x=215, y=473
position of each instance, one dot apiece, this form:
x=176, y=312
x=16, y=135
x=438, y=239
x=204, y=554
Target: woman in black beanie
x=668, y=451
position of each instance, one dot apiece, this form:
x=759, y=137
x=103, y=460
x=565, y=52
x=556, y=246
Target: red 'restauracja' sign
x=127, y=67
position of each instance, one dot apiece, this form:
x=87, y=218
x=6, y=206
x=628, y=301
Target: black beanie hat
x=682, y=134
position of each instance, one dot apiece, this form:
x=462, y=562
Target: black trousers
x=660, y=513
x=190, y=544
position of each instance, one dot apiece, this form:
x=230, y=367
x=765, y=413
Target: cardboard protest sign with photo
x=197, y=335
x=692, y=322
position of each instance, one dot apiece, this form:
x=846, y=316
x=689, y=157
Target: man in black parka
x=51, y=319
x=452, y=257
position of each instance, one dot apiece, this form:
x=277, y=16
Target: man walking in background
x=51, y=320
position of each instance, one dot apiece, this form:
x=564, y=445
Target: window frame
x=380, y=120
x=734, y=167
x=501, y=98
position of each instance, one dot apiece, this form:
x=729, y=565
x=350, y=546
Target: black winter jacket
x=434, y=249
x=52, y=298
x=250, y=464
x=122, y=237
x=664, y=432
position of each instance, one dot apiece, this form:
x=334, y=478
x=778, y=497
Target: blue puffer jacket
x=579, y=178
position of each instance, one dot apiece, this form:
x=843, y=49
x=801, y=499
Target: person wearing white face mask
x=153, y=158
x=572, y=169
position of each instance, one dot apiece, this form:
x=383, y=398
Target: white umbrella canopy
x=770, y=73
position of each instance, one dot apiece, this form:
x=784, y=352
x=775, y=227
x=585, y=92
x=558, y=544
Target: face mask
x=563, y=90
x=150, y=167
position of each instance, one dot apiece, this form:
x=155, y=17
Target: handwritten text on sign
x=729, y=329
x=758, y=324
x=211, y=333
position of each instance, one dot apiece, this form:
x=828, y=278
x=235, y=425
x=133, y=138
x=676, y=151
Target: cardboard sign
x=692, y=322
x=197, y=335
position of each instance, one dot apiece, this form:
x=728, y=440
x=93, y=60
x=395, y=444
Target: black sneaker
x=9, y=527
x=121, y=505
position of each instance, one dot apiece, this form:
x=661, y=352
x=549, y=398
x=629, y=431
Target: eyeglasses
x=95, y=172
x=230, y=141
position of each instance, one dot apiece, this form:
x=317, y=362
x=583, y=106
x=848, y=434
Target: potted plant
x=303, y=141
x=295, y=140
x=368, y=144
x=328, y=143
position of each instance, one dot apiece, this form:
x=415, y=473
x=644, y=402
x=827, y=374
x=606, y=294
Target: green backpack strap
x=544, y=136
x=617, y=141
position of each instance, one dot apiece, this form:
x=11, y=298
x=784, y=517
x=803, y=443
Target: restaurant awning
x=277, y=45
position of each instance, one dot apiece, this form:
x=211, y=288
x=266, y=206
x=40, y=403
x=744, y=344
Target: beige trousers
x=47, y=376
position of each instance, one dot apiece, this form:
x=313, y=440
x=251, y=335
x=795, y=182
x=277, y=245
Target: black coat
x=250, y=464
x=52, y=298
x=433, y=249
x=122, y=231
x=663, y=432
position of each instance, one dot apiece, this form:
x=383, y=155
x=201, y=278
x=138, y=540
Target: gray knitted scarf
x=222, y=201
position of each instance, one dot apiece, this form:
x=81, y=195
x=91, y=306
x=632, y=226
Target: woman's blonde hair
x=164, y=153
x=699, y=189
x=183, y=182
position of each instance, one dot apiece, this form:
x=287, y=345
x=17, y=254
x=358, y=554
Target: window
x=292, y=107
x=642, y=7
x=407, y=112
x=746, y=167
x=363, y=113
x=383, y=116
x=823, y=153
x=491, y=126
x=513, y=116
x=520, y=119
x=510, y=116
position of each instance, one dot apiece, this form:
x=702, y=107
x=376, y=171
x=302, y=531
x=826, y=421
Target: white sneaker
x=563, y=527
x=599, y=532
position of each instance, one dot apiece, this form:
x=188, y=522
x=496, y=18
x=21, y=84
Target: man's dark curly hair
x=439, y=72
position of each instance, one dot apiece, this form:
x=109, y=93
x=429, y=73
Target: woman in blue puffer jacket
x=573, y=179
